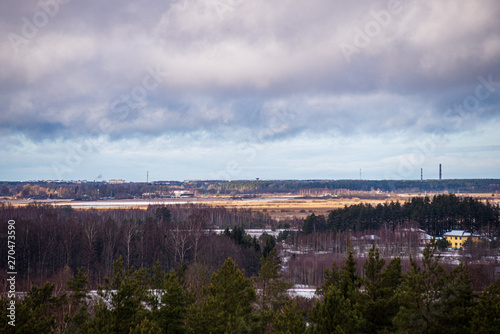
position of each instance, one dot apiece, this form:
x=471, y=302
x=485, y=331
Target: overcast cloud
x=239, y=89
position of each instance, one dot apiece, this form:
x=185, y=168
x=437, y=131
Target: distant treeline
x=456, y=185
x=435, y=215
x=93, y=190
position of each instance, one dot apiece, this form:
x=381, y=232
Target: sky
x=233, y=89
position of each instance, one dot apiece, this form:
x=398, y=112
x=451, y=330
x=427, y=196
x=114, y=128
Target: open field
x=301, y=207
x=277, y=206
x=292, y=207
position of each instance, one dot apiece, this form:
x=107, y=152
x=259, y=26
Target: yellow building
x=456, y=237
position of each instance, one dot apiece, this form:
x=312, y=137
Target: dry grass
x=298, y=208
x=276, y=206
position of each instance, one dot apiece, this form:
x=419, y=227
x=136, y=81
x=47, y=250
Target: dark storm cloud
x=236, y=68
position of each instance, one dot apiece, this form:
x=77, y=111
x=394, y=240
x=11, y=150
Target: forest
x=83, y=190
x=435, y=215
x=427, y=298
x=163, y=269
x=49, y=239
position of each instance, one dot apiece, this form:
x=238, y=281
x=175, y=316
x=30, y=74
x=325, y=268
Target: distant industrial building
x=183, y=193
x=116, y=181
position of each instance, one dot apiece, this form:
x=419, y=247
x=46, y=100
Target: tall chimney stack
x=440, y=175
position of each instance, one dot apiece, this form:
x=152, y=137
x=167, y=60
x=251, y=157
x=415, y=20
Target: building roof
x=369, y=237
x=425, y=236
x=457, y=233
x=410, y=229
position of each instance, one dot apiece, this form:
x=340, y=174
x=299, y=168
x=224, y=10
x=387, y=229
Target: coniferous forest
x=435, y=215
x=165, y=270
x=426, y=299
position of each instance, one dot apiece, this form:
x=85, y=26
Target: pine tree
x=169, y=302
x=163, y=214
x=289, y=320
x=125, y=294
x=313, y=224
x=457, y=301
x=421, y=293
x=78, y=314
x=331, y=277
x=272, y=290
x=269, y=244
x=392, y=276
x=486, y=315
x=338, y=311
x=336, y=314
x=4, y=313
x=372, y=300
x=373, y=274
x=147, y=326
x=346, y=279
x=378, y=304
x=227, y=303
x=432, y=300
x=37, y=312
x=350, y=281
